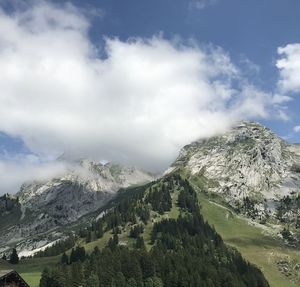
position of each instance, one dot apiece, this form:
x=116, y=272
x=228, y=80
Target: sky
x=134, y=81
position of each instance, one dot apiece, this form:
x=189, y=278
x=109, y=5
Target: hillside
x=36, y=215
x=151, y=231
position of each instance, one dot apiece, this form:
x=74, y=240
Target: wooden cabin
x=11, y=278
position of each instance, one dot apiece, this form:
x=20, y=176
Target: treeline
x=287, y=210
x=160, y=198
x=8, y=203
x=187, y=198
x=13, y=258
x=57, y=248
x=135, y=206
x=77, y=254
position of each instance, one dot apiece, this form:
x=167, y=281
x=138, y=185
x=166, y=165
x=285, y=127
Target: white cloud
x=201, y=4
x=16, y=169
x=289, y=68
x=13, y=173
x=139, y=105
x=280, y=99
x=297, y=129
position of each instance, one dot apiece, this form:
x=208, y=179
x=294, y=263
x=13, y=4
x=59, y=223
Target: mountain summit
x=249, y=161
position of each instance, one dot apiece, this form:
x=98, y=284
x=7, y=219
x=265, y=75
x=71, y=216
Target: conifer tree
x=64, y=258
x=120, y=280
x=157, y=282
x=89, y=237
x=131, y=283
x=140, y=244
x=46, y=278
x=93, y=281
x=77, y=274
x=14, y=258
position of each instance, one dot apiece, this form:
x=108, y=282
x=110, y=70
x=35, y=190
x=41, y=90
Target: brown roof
x=12, y=275
x=5, y=272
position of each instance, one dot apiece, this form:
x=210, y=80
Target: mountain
x=245, y=182
x=148, y=232
x=32, y=218
x=249, y=166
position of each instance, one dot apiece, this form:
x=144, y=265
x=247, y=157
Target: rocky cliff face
x=248, y=161
x=46, y=206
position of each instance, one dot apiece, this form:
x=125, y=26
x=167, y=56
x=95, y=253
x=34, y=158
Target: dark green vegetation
x=57, y=248
x=157, y=237
x=288, y=210
x=14, y=258
x=10, y=211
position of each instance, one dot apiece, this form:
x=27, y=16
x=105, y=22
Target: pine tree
x=64, y=258
x=46, y=278
x=120, y=280
x=157, y=282
x=113, y=242
x=131, y=283
x=73, y=256
x=14, y=258
x=77, y=274
x=148, y=282
x=93, y=281
x=89, y=237
x=140, y=244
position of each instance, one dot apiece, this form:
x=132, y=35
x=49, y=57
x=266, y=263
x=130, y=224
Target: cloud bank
x=22, y=169
x=135, y=102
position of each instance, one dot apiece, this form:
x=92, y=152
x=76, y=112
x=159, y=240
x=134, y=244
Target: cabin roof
x=5, y=272
x=12, y=275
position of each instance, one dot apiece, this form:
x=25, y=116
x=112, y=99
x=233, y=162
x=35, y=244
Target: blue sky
x=245, y=29
x=60, y=60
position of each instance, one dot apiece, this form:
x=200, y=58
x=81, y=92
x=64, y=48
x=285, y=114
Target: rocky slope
x=40, y=208
x=249, y=161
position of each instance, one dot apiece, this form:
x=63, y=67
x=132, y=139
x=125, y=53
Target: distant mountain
x=249, y=166
x=33, y=216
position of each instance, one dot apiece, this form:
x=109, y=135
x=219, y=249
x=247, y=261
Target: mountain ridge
x=45, y=206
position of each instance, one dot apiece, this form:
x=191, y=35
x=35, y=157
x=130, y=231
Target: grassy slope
x=260, y=249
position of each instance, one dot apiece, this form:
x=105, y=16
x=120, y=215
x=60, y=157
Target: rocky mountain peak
x=249, y=160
